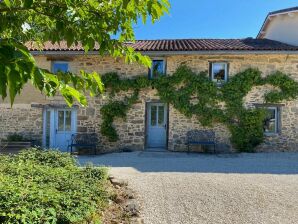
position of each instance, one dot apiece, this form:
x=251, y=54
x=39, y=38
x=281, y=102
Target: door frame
x=146, y=145
x=53, y=124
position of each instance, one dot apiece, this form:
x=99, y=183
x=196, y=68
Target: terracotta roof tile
x=248, y=44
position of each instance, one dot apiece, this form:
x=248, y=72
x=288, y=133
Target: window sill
x=220, y=84
x=271, y=134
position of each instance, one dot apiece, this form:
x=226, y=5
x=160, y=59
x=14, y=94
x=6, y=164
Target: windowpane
x=67, y=120
x=60, y=120
x=270, y=123
x=60, y=66
x=219, y=72
x=157, y=68
x=153, y=115
x=161, y=117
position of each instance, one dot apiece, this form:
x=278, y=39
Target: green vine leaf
x=196, y=95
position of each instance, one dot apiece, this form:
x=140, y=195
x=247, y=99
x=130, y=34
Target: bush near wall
x=39, y=186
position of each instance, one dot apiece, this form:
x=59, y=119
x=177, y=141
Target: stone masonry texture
x=26, y=119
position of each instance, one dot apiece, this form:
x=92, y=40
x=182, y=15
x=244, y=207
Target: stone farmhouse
x=151, y=123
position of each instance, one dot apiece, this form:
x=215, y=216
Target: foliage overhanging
x=77, y=22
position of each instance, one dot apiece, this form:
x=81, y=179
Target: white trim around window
x=151, y=69
x=59, y=62
x=272, y=123
x=219, y=65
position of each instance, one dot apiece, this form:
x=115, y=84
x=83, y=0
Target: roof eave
x=219, y=52
x=167, y=53
x=262, y=28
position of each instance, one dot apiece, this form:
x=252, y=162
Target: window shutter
x=210, y=70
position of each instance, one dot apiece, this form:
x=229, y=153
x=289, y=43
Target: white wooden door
x=157, y=125
x=59, y=125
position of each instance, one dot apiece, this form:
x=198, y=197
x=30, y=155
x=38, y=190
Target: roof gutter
x=168, y=53
x=224, y=52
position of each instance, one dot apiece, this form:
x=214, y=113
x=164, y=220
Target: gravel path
x=193, y=188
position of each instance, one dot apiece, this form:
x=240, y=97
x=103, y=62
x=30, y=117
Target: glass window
x=271, y=121
x=68, y=120
x=59, y=66
x=161, y=116
x=61, y=120
x=157, y=69
x=219, y=72
x=153, y=115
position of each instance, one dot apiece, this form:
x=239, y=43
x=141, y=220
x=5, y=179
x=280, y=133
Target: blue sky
x=212, y=19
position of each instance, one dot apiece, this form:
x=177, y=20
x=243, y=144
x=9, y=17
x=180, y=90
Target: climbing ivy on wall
x=114, y=109
x=196, y=95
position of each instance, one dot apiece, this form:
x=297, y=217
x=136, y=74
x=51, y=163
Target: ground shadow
x=244, y=163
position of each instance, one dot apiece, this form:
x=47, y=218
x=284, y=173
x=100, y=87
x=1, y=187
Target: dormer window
x=61, y=66
x=219, y=72
x=158, y=68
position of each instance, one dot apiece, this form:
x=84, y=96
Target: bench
x=7, y=147
x=86, y=140
x=201, y=137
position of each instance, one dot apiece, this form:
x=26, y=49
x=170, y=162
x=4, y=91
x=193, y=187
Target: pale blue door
x=59, y=125
x=157, y=125
x=65, y=127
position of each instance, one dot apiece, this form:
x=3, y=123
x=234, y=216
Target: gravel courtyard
x=194, y=188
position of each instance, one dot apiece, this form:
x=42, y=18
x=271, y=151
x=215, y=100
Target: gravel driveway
x=193, y=188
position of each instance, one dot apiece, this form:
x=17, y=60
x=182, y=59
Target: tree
x=88, y=22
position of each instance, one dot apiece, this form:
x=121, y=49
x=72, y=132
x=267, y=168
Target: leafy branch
x=19, y=66
x=83, y=22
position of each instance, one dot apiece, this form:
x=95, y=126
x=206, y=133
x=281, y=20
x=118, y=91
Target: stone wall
x=132, y=132
x=286, y=139
x=21, y=119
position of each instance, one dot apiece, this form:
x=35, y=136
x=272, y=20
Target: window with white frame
x=272, y=121
x=219, y=72
x=157, y=69
x=61, y=66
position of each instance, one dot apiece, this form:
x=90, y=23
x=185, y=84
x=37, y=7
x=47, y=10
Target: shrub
x=39, y=186
x=248, y=133
x=16, y=138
